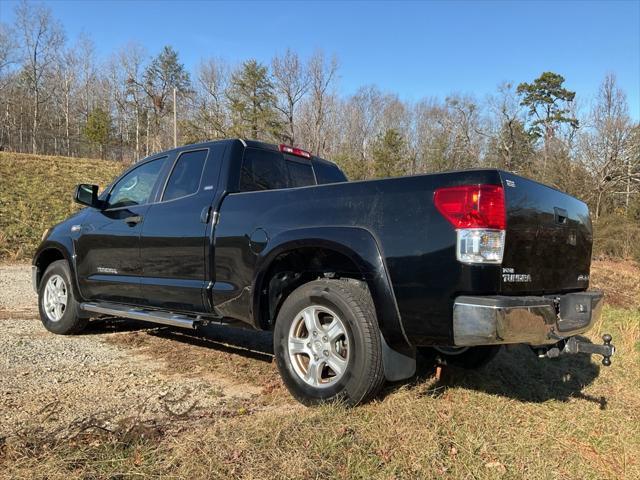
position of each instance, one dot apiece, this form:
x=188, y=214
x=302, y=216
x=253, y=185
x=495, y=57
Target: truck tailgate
x=548, y=239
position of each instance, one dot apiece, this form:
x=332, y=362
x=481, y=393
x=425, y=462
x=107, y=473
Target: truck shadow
x=517, y=373
x=257, y=345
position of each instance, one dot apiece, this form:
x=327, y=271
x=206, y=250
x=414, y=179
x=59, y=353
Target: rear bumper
x=545, y=320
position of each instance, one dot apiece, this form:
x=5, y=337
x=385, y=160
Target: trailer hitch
x=575, y=345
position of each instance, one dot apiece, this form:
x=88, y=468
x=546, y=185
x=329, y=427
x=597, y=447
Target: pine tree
x=548, y=103
x=390, y=154
x=252, y=102
x=164, y=73
x=98, y=129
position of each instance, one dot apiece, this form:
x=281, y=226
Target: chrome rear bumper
x=545, y=320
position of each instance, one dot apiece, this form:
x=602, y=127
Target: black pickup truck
x=353, y=278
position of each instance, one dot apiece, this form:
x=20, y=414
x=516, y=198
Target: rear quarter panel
x=417, y=243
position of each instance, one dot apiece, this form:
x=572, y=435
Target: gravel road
x=16, y=292
x=55, y=387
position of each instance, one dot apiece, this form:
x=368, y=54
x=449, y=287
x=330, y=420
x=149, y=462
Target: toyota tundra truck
x=354, y=279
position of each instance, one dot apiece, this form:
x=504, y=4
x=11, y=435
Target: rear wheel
x=461, y=357
x=327, y=343
x=59, y=311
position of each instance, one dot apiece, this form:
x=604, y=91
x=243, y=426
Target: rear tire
x=469, y=359
x=59, y=310
x=327, y=343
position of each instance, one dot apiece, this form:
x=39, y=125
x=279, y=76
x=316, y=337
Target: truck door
x=174, y=246
x=108, y=248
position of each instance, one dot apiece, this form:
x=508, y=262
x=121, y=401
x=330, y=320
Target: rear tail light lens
x=472, y=206
x=477, y=212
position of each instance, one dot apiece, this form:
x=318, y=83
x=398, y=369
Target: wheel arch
x=49, y=252
x=354, y=249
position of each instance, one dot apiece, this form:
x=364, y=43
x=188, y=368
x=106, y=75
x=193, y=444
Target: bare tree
x=606, y=146
x=291, y=82
x=42, y=37
x=88, y=75
x=212, y=83
x=131, y=60
x=508, y=138
x=322, y=73
x=66, y=76
x=8, y=58
x=463, y=123
x=8, y=53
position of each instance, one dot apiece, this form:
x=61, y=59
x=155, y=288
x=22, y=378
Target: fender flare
x=65, y=250
x=360, y=246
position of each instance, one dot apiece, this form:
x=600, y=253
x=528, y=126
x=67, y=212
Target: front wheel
x=327, y=343
x=59, y=310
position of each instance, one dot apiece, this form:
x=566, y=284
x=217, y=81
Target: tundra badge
x=509, y=276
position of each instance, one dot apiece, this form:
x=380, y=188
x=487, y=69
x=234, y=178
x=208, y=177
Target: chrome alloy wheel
x=318, y=346
x=55, y=297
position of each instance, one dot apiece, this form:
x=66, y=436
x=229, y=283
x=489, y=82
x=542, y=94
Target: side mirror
x=86, y=194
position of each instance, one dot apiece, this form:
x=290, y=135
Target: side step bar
x=154, y=316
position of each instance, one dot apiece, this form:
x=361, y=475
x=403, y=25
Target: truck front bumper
x=497, y=320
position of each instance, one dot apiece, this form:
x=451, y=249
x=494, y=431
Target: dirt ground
x=59, y=386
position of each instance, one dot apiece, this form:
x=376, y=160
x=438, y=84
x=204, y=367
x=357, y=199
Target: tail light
x=477, y=212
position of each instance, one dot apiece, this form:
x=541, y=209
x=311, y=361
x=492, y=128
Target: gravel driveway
x=16, y=292
x=55, y=387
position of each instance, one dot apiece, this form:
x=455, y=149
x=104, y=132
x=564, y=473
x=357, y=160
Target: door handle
x=560, y=215
x=133, y=220
x=204, y=214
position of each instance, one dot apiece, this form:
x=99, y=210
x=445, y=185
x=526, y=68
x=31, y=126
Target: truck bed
x=416, y=242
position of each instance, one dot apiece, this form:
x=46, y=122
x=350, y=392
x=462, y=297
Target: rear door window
x=262, y=170
x=327, y=172
x=185, y=177
x=300, y=172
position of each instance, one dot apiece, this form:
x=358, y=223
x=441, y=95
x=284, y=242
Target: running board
x=136, y=313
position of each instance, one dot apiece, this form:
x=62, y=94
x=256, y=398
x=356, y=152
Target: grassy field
x=519, y=417
x=36, y=192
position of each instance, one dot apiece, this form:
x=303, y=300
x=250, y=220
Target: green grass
x=36, y=193
x=519, y=417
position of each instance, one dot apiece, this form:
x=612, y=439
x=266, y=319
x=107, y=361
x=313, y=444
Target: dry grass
x=520, y=417
x=36, y=193
x=619, y=279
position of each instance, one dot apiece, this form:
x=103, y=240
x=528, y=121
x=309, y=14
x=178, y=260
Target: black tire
x=72, y=320
x=351, y=301
x=469, y=359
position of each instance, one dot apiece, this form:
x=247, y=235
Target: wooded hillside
x=58, y=98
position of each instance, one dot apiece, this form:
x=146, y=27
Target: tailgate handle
x=561, y=216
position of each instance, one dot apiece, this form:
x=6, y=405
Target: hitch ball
x=606, y=359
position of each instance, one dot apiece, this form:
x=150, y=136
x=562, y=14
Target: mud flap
x=397, y=366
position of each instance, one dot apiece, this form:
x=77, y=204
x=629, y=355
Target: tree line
x=57, y=97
